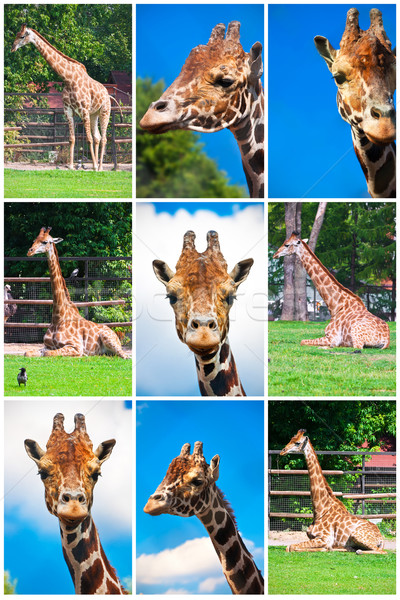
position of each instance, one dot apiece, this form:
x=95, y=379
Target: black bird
x=74, y=273
x=22, y=377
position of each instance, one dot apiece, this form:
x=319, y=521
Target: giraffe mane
x=226, y=504
x=58, y=51
x=65, y=285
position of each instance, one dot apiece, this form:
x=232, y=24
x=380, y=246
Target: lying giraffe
x=201, y=292
x=69, y=470
x=352, y=324
x=333, y=527
x=188, y=489
x=364, y=70
x=219, y=87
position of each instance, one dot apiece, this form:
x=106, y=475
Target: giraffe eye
x=286, y=245
x=43, y=475
x=230, y=299
x=340, y=78
x=225, y=82
x=96, y=475
x=172, y=299
x=197, y=482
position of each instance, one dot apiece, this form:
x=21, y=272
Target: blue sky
x=176, y=29
x=307, y=136
x=32, y=544
x=235, y=431
x=165, y=366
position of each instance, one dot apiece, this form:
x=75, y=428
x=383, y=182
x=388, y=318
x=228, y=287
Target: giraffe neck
x=62, y=304
x=88, y=565
x=238, y=565
x=64, y=66
x=331, y=291
x=217, y=373
x=249, y=134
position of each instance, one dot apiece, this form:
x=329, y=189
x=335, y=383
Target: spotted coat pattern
x=69, y=469
x=69, y=334
x=219, y=87
x=188, y=489
x=333, y=527
x=201, y=293
x=352, y=324
x=364, y=70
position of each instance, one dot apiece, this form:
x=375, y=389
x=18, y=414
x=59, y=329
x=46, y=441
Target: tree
x=10, y=587
x=173, y=165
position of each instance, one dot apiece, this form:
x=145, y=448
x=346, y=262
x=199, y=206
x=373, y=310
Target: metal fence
x=368, y=492
x=103, y=282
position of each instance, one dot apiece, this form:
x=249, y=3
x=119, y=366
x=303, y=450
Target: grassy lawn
x=297, y=370
x=330, y=572
x=67, y=184
x=69, y=376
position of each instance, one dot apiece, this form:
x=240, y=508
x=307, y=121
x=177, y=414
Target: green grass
x=69, y=376
x=330, y=572
x=67, y=184
x=297, y=370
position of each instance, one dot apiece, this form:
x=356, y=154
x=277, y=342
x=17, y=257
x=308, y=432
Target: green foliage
x=98, y=35
x=10, y=587
x=173, y=165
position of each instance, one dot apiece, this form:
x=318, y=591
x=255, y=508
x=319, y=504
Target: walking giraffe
x=189, y=488
x=201, y=292
x=69, y=334
x=69, y=470
x=219, y=87
x=333, y=527
x=352, y=324
x=364, y=70
x=83, y=95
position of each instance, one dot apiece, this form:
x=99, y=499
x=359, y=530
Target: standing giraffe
x=88, y=98
x=69, y=470
x=201, y=293
x=352, y=324
x=188, y=489
x=69, y=334
x=333, y=527
x=219, y=87
x=364, y=70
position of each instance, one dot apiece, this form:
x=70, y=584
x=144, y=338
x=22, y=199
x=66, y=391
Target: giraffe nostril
x=66, y=497
x=195, y=324
x=157, y=497
x=160, y=106
x=376, y=114
x=81, y=499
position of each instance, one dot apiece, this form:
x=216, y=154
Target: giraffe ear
x=240, y=271
x=305, y=240
x=103, y=452
x=325, y=50
x=214, y=465
x=33, y=450
x=57, y=240
x=162, y=271
x=256, y=65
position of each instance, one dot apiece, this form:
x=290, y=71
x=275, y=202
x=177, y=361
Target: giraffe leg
x=65, y=351
x=314, y=545
x=323, y=341
x=87, y=125
x=368, y=538
x=94, y=119
x=70, y=118
x=104, y=119
x=111, y=343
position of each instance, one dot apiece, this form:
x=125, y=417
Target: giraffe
x=82, y=95
x=219, y=87
x=69, y=470
x=201, y=293
x=333, y=527
x=69, y=334
x=188, y=489
x=352, y=324
x=364, y=70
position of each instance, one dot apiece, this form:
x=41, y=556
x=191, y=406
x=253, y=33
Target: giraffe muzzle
x=72, y=506
x=156, y=505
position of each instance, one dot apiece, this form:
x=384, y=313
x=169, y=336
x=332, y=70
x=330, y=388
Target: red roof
x=388, y=444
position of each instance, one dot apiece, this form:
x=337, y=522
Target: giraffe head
x=201, y=292
x=290, y=246
x=24, y=36
x=185, y=489
x=69, y=469
x=214, y=89
x=43, y=243
x=364, y=70
x=296, y=444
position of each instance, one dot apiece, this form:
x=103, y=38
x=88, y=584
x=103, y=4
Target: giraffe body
x=82, y=95
x=188, y=489
x=69, y=469
x=352, y=324
x=219, y=87
x=364, y=70
x=69, y=334
x=333, y=527
x=201, y=292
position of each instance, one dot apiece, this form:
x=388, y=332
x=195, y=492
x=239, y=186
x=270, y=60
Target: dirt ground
x=284, y=538
x=20, y=349
x=20, y=166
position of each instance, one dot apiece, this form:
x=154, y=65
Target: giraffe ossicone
x=364, y=70
x=82, y=95
x=201, y=293
x=351, y=324
x=69, y=333
x=333, y=527
x=69, y=469
x=219, y=87
x=189, y=489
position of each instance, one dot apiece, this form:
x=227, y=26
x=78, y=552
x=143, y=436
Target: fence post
x=114, y=146
x=363, y=485
x=86, y=288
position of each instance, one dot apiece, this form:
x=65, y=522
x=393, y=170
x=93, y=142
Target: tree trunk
x=288, y=265
x=393, y=310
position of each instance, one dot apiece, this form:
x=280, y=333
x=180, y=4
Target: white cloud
x=165, y=366
x=209, y=585
x=180, y=592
